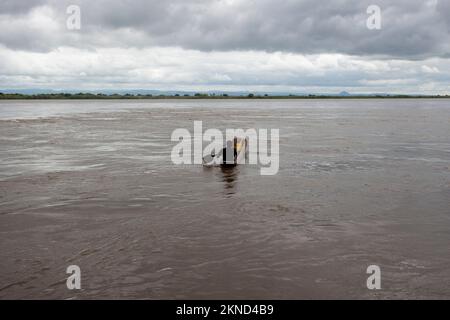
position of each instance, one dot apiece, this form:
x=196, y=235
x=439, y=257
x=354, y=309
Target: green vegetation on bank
x=81, y=95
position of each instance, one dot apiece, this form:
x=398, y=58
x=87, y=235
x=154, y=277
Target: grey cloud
x=412, y=29
x=18, y=6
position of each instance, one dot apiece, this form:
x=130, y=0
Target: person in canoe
x=230, y=155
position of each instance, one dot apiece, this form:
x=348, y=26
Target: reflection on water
x=229, y=177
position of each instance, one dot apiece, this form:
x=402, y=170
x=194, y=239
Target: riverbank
x=101, y=96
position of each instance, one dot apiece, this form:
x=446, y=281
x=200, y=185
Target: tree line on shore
x=87, y=95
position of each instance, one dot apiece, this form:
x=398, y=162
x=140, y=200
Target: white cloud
x=177, y=68
x=428, y=69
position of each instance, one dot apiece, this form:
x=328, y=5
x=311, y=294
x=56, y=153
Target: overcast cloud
x=268, y=45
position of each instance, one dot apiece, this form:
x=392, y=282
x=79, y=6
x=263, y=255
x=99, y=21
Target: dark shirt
x=224, y=152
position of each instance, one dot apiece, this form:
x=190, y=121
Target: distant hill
x=164, y=94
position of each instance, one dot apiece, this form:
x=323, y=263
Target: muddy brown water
x=91, y=183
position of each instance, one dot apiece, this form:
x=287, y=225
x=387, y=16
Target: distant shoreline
x=91, y=96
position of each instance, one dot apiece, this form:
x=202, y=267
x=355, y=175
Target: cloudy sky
x=233, y=45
